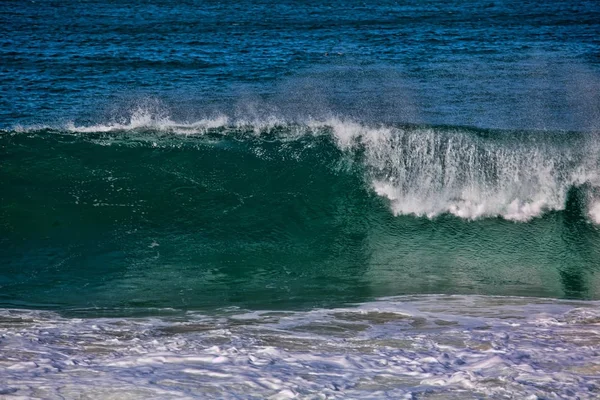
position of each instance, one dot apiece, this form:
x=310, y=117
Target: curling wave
x=292, y=211
x=421, y=170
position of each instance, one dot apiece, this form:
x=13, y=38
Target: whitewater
x=450, y=347
x=325, y=200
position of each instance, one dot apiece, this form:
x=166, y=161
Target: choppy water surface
x=451, y=347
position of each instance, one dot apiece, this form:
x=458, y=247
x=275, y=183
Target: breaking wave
x=421, y=170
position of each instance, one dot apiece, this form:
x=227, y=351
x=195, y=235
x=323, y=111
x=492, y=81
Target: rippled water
x=205, y=199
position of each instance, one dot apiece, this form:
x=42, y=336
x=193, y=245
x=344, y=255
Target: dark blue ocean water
x=299, y=199
x=525, y=64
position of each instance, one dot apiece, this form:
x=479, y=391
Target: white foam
x=594, y=212
x=145, y=118
x=404, y=347
x=428, y=172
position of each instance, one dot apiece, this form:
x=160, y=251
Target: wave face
x=152, y=212
x=422, y=170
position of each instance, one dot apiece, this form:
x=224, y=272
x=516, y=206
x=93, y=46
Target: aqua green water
x=291, y=215
x=214, y=199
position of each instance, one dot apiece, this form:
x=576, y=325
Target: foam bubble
x=447, y=346
x=594, y=212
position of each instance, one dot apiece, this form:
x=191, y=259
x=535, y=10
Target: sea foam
x=462, y=347
x=431, y=171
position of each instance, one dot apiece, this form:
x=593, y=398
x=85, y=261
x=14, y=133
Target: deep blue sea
x=298, y=199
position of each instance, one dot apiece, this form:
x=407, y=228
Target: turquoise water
x=299, y=199
x=296, y=215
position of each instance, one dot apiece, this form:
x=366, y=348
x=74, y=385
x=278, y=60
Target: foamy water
x=195, y=155
x=461, y=347
x=428, y=171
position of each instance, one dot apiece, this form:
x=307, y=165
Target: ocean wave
x=433, y=171
x=426, y=171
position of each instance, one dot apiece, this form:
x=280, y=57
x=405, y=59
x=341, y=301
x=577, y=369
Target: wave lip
x=432, y=171
x=144, y=118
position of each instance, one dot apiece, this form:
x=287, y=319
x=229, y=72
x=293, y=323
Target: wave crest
x=427, y=170
x=433, y=171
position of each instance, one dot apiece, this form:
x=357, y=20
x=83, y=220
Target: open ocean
x=300, y=199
